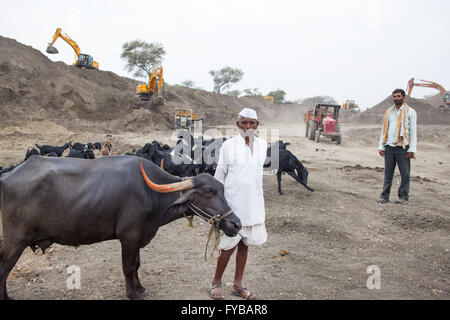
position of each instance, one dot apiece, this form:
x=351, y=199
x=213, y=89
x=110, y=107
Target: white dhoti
x=255, y=235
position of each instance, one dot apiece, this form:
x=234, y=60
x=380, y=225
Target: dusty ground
x=332, y=235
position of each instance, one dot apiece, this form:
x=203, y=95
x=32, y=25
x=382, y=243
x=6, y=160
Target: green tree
x=190, y=84
x=233, y=93
x=255, y=93
x=142, y=57
x=318, y=99
x=225, y=77
x=278, y=95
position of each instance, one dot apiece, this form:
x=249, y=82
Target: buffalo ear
x=181, y=204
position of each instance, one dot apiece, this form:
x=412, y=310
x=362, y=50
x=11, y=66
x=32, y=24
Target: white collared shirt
x=241, y=173
x=411, y=130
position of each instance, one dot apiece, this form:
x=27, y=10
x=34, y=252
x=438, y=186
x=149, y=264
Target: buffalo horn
x=165, y=188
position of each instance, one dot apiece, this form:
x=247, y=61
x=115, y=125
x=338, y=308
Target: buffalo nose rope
x=214, y=221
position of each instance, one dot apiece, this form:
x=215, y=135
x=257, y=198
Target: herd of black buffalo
x=178, y=160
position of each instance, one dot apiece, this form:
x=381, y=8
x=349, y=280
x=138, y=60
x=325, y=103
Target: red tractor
x=323, y=120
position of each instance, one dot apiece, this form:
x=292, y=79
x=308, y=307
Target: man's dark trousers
x=393, y=156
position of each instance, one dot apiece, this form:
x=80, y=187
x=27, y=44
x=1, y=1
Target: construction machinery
x=323, y=120
x=269, y=98
x=82, y=60
x=350, y=105
x=186, y=119
x=154, y=89
x=429, y=84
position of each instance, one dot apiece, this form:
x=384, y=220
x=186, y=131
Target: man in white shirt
x=398, y=144
x=240, y=169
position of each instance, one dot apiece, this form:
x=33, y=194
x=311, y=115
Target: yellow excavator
x=350, y=105
x=82, y=60
x=269, y=98
x=186, y=119
x=429, y=84
x=154, y=89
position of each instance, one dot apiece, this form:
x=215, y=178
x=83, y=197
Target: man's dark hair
x=399, y=91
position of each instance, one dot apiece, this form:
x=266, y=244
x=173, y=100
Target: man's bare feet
x=216, y=291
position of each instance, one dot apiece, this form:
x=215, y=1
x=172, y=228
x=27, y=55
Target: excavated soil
x=320, y=244
x=427, y=113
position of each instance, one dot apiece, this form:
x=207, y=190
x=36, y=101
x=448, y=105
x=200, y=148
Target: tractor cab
x=323, y=120
x=326, y=110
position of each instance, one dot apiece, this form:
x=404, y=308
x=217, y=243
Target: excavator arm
x=51, y=49
x=156, y=77
x=154, y=88
x=425, y=84
x=429, y=84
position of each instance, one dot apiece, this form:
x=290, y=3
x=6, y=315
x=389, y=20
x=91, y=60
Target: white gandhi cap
x=248, y=113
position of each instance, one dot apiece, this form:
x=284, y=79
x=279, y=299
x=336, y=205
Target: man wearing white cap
x=240, y=169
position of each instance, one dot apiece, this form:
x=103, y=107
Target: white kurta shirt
x=241, y=173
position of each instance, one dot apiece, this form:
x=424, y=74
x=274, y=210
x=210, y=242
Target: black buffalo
x=86, y=153
x=172, y=162
x=287, y=163
x=46, y=149
x=76, y=202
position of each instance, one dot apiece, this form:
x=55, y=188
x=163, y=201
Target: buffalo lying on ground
x=76, y=202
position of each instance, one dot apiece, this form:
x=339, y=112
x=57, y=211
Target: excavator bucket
x=51, y=49
x=159, y=100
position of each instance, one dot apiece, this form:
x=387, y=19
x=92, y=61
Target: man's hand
x=381, y=152
x=410, y=155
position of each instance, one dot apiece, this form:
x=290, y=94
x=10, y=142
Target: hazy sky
x=346, y=49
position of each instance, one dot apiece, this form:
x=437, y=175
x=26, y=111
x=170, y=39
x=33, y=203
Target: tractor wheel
x=317, y=136
x=312, y=130
x=339, y=138
x=307, y=130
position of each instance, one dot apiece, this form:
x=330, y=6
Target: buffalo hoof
x=135, y=296
x=143, y=292
x=281, y=193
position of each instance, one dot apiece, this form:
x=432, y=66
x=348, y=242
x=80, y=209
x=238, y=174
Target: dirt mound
x=35, y=127
x=426, y=113
x=436, y=101
x=420, y=222
x=33, y=88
